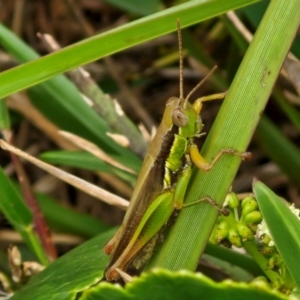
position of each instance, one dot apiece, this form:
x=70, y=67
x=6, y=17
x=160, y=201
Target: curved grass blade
x=284, y=227
x=109, y=42
x=70, y=274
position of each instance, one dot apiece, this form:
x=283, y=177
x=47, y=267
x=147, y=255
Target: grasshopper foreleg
x=203, y=165
x=200, y=162
x=181, y=187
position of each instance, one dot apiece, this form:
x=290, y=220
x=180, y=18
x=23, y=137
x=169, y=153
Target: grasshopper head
x=182, y=114
x=187, y=118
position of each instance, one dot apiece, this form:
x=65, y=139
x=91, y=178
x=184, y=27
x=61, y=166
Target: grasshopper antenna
x=201, y=82
x=180, y=60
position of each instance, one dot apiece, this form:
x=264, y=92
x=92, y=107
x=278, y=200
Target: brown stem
x=39, y=221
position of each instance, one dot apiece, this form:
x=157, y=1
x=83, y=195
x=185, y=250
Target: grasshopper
x=162, y=181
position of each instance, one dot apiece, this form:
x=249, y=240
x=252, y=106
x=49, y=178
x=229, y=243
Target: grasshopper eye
x=179, y=118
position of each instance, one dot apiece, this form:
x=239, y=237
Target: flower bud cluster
x=241, y=223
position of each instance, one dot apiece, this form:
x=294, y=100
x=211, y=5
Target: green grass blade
x=59, y=100
x=61, y=218
x=234, y=258
x=67, y=220
x=138, y=7
x=70, y=274
x=20, y=217
x=87, y=161
x=77, y=159
x=109, y=42
x=284, y=227
x=4, y=116
x=290, y=111
x=279, y=148
x=254, y=14
x=269, y=137
x=232, y=129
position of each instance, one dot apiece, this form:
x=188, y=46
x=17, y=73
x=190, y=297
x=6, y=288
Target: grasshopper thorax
x=182, y=114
